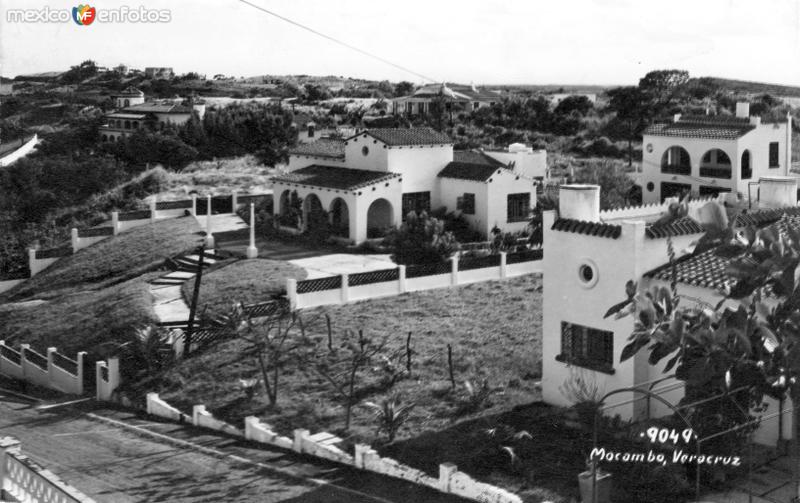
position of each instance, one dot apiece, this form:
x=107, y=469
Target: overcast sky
x=484, y=41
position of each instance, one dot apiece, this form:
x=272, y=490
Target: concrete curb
x=184, y=444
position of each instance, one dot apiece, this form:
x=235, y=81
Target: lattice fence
x=468, y=263
x=95, y=232
x=134, y=215
x=265, y=308
x=36, y=358
x=10, y=354
x=525, y=256
x=366, y=278
x=320, y=284
x=416, y=271
x=65, y=363
x=61, y=251
x=173, y=205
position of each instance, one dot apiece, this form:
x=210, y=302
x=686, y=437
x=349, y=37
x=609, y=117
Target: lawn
x=248, y=281
x=92, y=320
x=111, y=261
x=223, y=176
x=494, y=329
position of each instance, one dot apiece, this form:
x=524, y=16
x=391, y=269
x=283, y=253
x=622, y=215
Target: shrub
x=421, y=240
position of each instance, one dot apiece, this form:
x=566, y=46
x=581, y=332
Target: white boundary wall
x=322, y=445
x=456, y=277
x=53, y=377
x=20, y=152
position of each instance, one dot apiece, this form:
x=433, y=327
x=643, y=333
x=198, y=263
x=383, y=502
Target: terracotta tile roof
x=681, y=227
x=163, y=108
x=334, y=177
x=324, y=147
x=708, y=269
x=598, y=229
x=471, y=165
x=765, y=216
x=407, y=136
x=707, y=127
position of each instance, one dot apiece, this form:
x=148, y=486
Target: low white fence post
x=74, y=240
x=209, y=235
x=79, y=359
x=115, y=222
x=234, y=202
x=446, y=471
x=194, y=205
x=50, y=352
x=23, y=358
x=299, y=435
x=503, y=269
x=252, y=251
x=345, y=289
x=401, y=278
x=291, y=293
x=32, y=262
x=153, y=210
x=454, y=270
x=8, y=445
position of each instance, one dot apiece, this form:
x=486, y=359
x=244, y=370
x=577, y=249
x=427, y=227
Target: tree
x=662, y=87
x=342, y=368
x=403, y=88
x=580, y=104
x=273, y=340
x=631, y=106
x=615, y=184
x=421, y=239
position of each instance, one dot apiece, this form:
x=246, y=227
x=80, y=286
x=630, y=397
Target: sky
x=605, y=42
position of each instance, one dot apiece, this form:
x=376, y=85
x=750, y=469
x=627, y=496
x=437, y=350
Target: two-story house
x=710, y=154
x=135, y=113
x=370, y=181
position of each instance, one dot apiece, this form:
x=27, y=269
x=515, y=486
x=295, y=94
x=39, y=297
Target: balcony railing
x=676, y=169
x=710, y=172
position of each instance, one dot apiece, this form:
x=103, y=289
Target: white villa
x=467, y=98
x=135, y=113
x=371, y=180
x=590, y=255
x=710, y=154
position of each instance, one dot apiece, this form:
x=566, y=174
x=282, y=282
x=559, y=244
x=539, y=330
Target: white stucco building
x=461, y=97
x=710, y=154
x=590, y=255
x=135, y=113
x=370, y=181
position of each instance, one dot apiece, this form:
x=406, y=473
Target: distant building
x=557, y=98
x=154, y=114
x=159, y=72
x=370, y=181
x=709, y=154
x=455, y=98
x=127, y=97
x=121, y=69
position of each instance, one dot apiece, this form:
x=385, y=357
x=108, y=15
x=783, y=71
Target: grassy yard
x=494, y=329
x=223, y=176
x=111, y=261
x=92, y=320
x=247, y=281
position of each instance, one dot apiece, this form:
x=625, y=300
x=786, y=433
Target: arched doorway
x=676, y=160
x=289, y=209
x=315, y=219
x=340, y=218
x=715, y=164
x=127, y=102
x=380, y=216
x=747, y=171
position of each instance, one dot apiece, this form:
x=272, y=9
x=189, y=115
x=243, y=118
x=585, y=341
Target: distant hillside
x=743, y=86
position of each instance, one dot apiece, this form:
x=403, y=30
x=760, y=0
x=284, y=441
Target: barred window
x=587, y=347
x=466, y=203
x=519, y=206
x=416, y=202
x=774, y=155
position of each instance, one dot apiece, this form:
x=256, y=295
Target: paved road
x=114, y=465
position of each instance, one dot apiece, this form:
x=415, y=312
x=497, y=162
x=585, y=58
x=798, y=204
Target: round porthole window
x=364, y=150
x=650, y=186
x=587, y=273
x=649, y=148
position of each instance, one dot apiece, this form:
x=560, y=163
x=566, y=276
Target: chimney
x=777, y=191
x=579, y=202
x=742, y=109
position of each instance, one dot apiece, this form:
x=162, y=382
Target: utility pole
x=187, y=342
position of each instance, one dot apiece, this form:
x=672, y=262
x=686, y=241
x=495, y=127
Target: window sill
x=516, y=220
x=588, y=364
